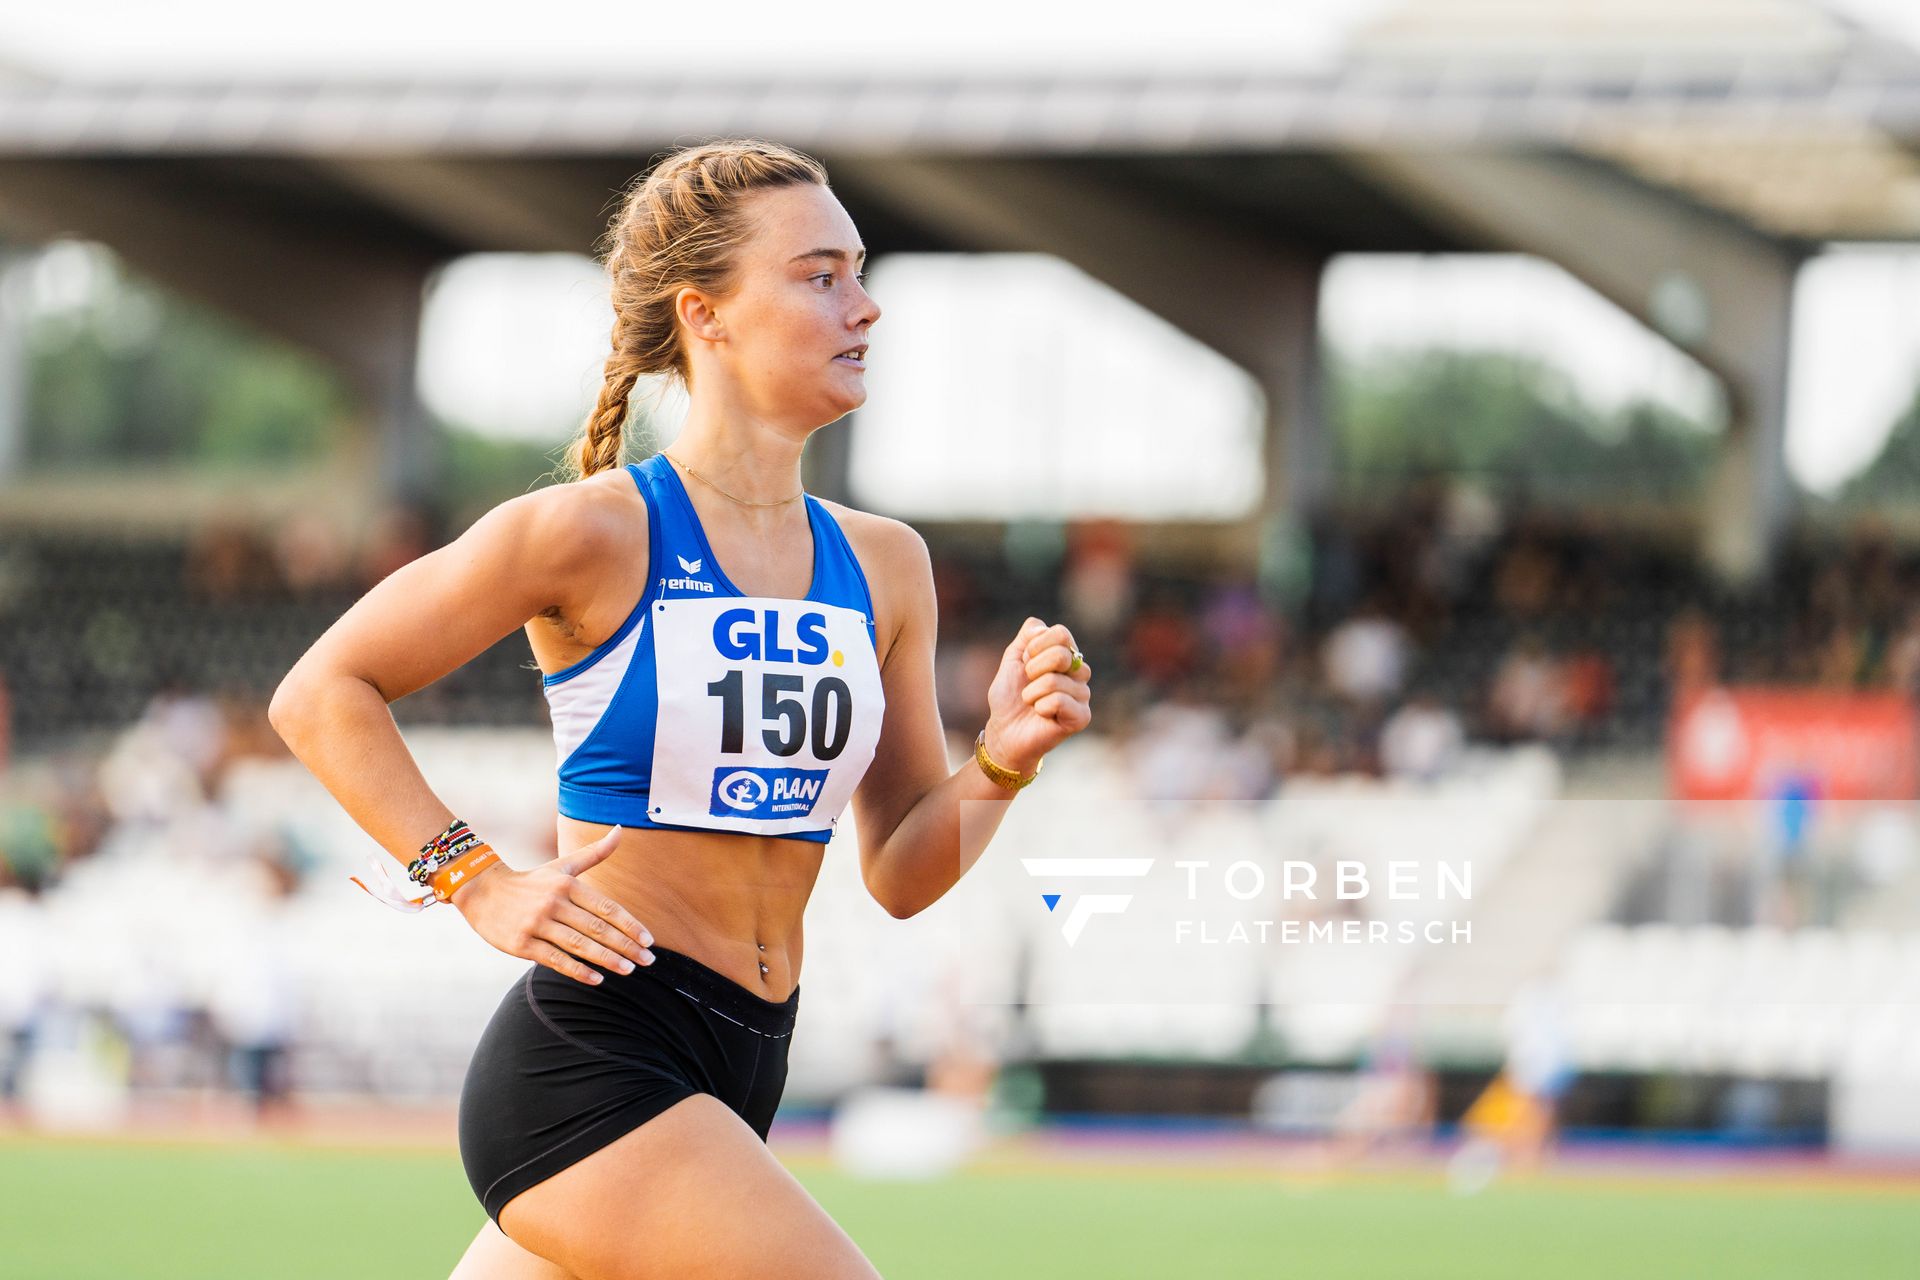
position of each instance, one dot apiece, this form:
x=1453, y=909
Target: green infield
x=81, y=1210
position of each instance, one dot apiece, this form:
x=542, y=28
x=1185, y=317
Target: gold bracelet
x=1004, y=776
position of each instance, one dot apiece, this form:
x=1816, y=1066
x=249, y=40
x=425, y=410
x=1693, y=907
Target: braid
x=603, y=442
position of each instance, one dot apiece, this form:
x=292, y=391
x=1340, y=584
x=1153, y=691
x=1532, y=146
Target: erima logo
x=1092, y=904
x=689, y=583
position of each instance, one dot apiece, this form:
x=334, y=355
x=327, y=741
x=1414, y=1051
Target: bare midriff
x=733, y=902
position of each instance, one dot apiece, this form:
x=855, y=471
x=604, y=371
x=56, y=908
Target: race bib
x=769, y=712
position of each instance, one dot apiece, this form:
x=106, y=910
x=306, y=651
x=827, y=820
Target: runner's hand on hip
x=549, y=915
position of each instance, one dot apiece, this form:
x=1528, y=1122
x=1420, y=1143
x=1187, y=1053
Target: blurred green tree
x=1892, y=479
x=1514, y=423
x=124, y=374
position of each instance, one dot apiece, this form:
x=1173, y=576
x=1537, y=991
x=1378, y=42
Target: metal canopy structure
x=1656, y=151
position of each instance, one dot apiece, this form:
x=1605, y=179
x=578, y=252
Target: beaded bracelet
x=446, y=862
x=436, y=853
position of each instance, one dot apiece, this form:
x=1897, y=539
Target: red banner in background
x=1735, y=744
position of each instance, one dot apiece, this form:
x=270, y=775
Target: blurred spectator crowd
x=155, y=784
x=1441, y=623
x=134, y=675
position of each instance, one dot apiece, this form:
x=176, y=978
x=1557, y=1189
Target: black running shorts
x=565, y=1068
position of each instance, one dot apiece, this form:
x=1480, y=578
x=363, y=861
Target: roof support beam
x=1252, y=299
x=490, y=205
x=1715, y=288
x=352, y=299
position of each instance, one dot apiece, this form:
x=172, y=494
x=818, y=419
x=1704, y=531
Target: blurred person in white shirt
x=255, y=1003
x=26, y=980
x=1528, y=697
x=1365, y=657
x=1178, y=752
x=1421, y=740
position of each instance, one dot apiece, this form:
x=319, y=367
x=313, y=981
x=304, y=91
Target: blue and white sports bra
x=713, y=710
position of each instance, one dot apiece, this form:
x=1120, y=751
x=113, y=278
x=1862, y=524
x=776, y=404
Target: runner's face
x=796, y=310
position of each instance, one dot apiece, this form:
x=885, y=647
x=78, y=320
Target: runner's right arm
x=538, y=553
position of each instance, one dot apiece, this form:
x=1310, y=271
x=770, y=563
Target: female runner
x=726, y=660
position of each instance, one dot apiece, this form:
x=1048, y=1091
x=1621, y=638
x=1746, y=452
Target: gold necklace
x=742, y=501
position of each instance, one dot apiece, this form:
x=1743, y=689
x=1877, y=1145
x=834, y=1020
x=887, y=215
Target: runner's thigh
x=692, y=1194
x=492, y=1256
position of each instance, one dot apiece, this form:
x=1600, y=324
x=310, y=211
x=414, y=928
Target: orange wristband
x=462, y=869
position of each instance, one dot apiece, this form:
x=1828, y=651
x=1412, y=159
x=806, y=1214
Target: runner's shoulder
x=880, y=542
x=576, y=525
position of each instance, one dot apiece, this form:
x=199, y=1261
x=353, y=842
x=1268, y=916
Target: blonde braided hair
x=680, y=224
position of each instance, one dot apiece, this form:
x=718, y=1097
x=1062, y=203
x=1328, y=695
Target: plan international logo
x=1087, y=905
x=752, y=792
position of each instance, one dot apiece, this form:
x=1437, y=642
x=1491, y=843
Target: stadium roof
x=1796, y=122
